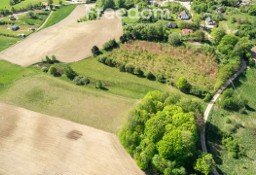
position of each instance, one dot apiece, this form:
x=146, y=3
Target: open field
x=6, y=42
x=242, y=127
x=68, y=40
x=53, y=96
x=200, y=69
x=59, y=14
x=33, y=143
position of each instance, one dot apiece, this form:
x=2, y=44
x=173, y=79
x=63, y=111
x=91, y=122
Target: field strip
x=68, y=40
x=33, y=143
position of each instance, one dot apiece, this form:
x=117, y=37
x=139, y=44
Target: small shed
x=12, y=18
x=183, y=15
x=172, y=25
x=15, y=27
x=209, y=21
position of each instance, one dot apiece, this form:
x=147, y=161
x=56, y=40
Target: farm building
x=172, y=25
x=209, y=21
x=186, y=31
x=15, y=27
x=183, y=15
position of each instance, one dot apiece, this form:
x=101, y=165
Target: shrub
x=137, y=71
x=160, y=78
x=121, y=68
x=150, y=76
x=99, y=85
x=129, y=68
x=81, y=80
x=174, y=39
x=45, y=69
x=110, y=45
x=53, y=70
x=70, y=73
x=96, y=51
x=183, y=85
x=102, y=58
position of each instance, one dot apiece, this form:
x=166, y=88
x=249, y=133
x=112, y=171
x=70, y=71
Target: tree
x=217, y=34
x=70, y=73
x=243, y=48
x=174, y=39
x=183, y=85
x=53, y=70
x=96, y=51
x=205, y=164
x=50, y=2
x=227, y=44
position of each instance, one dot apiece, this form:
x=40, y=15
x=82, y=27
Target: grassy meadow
x=59, y=14
x=242, y=127
x=103, y=109
x=6, y=42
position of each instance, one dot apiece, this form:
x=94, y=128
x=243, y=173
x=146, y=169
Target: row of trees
x=230, y=50
x=161, y=135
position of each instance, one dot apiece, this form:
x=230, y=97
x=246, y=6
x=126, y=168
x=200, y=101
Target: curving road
x=211, y=104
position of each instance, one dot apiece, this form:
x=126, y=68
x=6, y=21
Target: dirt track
x=68, y=40
x=32, y=143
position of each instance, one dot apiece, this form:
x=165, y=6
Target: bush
x=121, y=68
x=137, y=71
x=81, y=80
x=99, y=85
x=110, y=45
x=96, y=51
x=174, y=39
x=45, y=69
x=129, y=68
x=53, y=70
x=160, y=78
x=70, y=73
x=183, y=85
x=150, y=76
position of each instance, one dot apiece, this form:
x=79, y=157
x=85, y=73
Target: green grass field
x=103, y=109
x=6, y=42
x=119, y=83
x=59, y=15
x=245, y=87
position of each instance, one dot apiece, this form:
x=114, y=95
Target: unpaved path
x=213, y=101
x=34, y=144
x=68, y=40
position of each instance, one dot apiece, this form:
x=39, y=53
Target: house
x=186, y=31
x=172, y=25
x=220, y=9
x=15, y=27
x=154, y=3
x=209, y=21
x=183, y=15
x=12, y=18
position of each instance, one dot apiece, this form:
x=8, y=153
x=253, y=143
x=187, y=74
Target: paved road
x=211, y=104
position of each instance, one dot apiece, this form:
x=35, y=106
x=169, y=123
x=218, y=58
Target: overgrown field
x=163, y=60
x=242, y=127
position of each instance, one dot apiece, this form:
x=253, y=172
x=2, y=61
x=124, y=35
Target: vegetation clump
x=162, y=135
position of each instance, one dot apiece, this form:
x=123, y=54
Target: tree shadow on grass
x=214, y=137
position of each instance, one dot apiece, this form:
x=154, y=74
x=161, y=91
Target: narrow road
x=211, y=104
